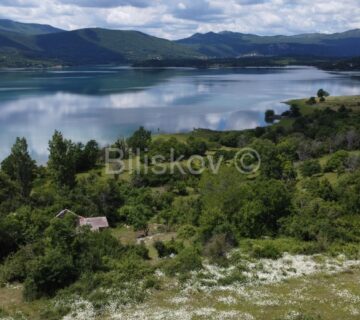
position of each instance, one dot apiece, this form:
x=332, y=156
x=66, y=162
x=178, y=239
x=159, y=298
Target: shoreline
x=322, y=63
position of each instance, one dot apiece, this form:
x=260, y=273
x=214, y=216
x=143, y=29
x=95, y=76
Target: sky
x=174, y=19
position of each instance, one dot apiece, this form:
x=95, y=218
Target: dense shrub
x=310, y=168
x=337, y=161
x=276, y=247
x=140, y=140
x=349, y=190
x=187, y=260
x=167, y=249
x=17, y=266
x=242, y=208
x=216, y=249
x=49, y=273
x=267, y=251
x=10, y=196
x=187, y=232
x=315, y=220
x=137, y=216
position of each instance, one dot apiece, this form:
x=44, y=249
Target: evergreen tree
x=140, y=140
x=20, y=167
x=62, y=160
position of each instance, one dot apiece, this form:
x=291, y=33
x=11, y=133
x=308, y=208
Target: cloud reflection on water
x=171, y=102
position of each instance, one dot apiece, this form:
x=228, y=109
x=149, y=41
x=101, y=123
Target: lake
x=104, y=103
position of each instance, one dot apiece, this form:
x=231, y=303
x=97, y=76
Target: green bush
x=310, y=167
x=350, y=250
x=187, y=260
x=236, y=276
x=235, y=206
x=315, y=219
x=274, y=248
x=337, y=161
x=187, y=232
x=268, y=251
x=151, y=282
x=16, y=266
x=137, y=216
x=167, y=249
x=197, y=146
x=348, y=190
x=311, y=101
x=48, y=274
x=217, y=248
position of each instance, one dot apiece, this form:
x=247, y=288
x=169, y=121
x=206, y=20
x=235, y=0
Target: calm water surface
x=104, y=103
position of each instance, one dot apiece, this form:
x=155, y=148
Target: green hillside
x=232, y=44
x=26, y=28
x=280, y=240
x=44, y=44
x=91, y=46
x=136, y=45
x=107, y=46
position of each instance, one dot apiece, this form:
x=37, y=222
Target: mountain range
x=23, y=44
x=26, y=28
x=231, y=44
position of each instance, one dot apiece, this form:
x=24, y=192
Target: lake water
x=104, y=103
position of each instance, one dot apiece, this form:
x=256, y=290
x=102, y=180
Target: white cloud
x=176, y=19
x=109, y=3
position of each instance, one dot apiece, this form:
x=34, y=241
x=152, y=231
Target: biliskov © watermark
x=247, y=161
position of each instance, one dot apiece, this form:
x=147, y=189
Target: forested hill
x=26, y=45
x=232, y=44
x=26, y=28
x=86, y=46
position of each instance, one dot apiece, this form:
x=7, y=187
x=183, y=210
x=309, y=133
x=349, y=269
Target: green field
x=331, y=102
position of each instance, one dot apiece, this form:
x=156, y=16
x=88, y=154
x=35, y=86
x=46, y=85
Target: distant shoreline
x=327, y=64
x=260, y=62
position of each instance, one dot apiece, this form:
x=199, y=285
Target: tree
x=7, y=243
x=232, y=205
x=51, y=272
x=20, y=167
x=269, y=116
x=316, y=220
x=295, y=111
x=311, y=101
x=140, y=140
x=165, y=250
x=62, y=160
x=97, y=197
x=271, y=162
x=9, y=194
x=310, y=168
x=326, y=191
x=86, y=156
x=137, y=216
x=322, y=94
x=122, y=145
x=349, y=190
x=337, y=161
x=187, y=260
x=197, y=146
